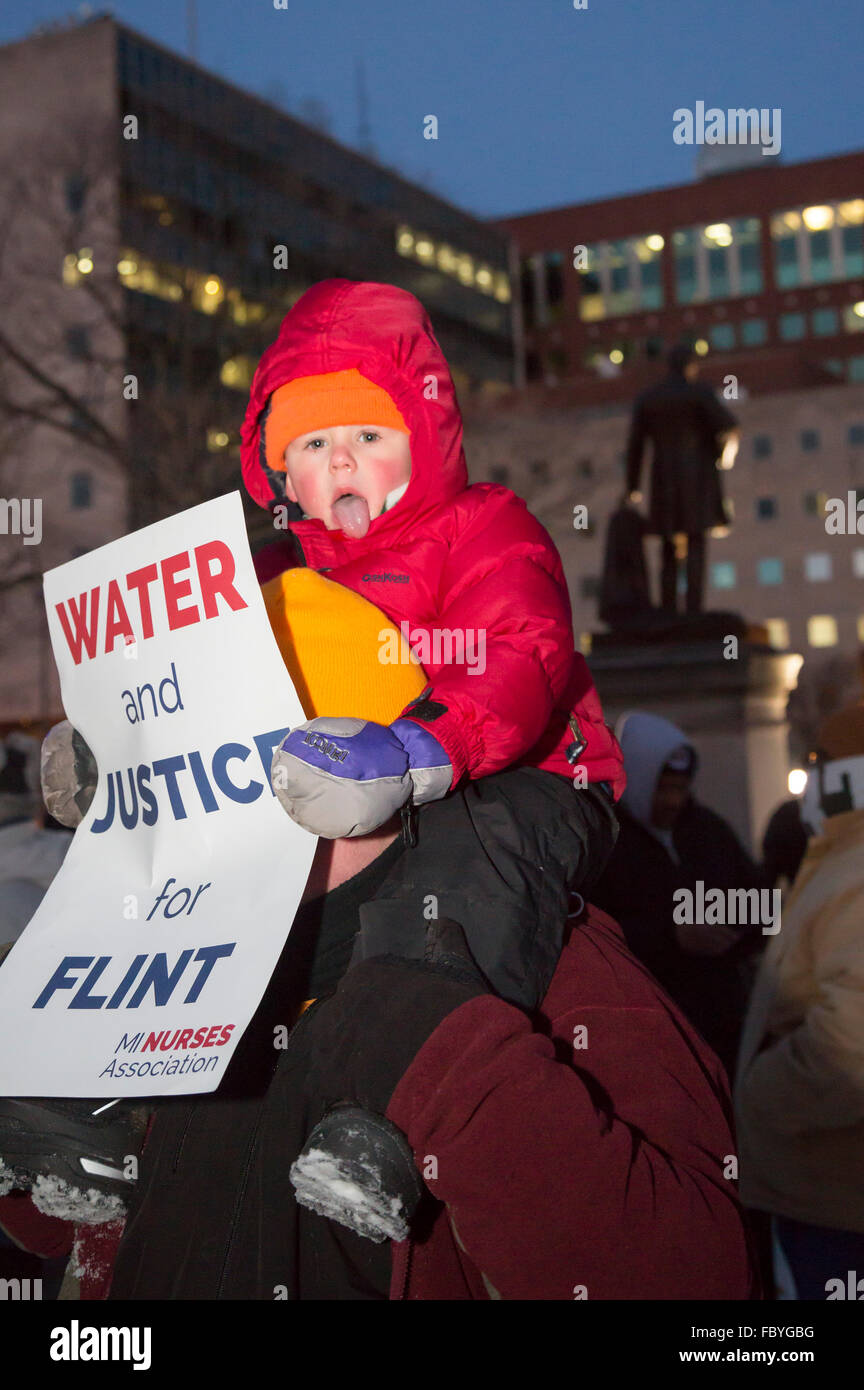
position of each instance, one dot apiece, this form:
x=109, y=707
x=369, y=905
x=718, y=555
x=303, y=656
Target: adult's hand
x=69, y=774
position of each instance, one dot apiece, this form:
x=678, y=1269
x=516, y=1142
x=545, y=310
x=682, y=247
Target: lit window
x=766, y=508
x=216, y=440
x=817, y=567
x=457, y=264
x=723, y=574
x=809, y=441
x=818, y=218
x=621, y=277
x=753, y=332
x=718, y=261
x=816, y=244
x=762, y=446
x=585, y=643
x=853, y=316
x=858, y=563
x=792, y=326
x=465, y=268
x=822, y=630
x=146, y=278
x=208, y=293
x=860, y=626
x=245, y=311
x=237, y=373
x=80, y=490
x=770, y=571
x=778, y=632
x=446, y=259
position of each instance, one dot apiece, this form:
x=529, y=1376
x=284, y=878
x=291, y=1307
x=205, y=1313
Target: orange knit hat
x=318, y=402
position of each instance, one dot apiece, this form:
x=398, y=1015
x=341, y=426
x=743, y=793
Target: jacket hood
x=386, y=334
x=647, y=742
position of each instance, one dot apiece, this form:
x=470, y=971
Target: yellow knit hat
x=318, y=402
x=331, y=641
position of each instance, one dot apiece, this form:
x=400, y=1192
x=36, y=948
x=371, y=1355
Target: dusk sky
x=538, y=104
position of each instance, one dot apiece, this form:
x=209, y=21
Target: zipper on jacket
x=180, y=1146
x=403, y=1287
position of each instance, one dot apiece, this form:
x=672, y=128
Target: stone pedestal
x=733, y=710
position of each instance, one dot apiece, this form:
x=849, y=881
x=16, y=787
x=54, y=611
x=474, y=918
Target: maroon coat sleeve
x=568, y=1180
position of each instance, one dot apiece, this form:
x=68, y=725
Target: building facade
x=161, y=222
x=762, y=270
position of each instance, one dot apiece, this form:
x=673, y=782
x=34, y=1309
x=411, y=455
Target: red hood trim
x=386, y=334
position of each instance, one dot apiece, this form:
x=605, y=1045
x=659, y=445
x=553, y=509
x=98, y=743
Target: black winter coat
x=637, y=889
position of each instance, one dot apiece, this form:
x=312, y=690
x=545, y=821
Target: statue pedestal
x=732, y=709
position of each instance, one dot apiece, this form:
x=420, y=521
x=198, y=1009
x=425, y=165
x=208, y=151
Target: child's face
x=366, y=461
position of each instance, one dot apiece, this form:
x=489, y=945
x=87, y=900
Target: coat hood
x=386, y=334
x=647, y=742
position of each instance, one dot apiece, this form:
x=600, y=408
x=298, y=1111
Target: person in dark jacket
x=579, y=1153
x=668, y=842
x=691, y=432
x=579, y=1150
x=784, y=842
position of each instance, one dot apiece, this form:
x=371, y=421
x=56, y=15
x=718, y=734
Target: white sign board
x=153, y=946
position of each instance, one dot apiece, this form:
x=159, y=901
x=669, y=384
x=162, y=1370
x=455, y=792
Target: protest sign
x=153, y=946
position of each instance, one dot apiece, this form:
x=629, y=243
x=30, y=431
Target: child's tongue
x=352, y=514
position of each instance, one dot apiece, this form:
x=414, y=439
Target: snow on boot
x=357, y=1168
x=73, y=1155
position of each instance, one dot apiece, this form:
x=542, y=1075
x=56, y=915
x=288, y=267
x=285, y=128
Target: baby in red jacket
x=353, y=438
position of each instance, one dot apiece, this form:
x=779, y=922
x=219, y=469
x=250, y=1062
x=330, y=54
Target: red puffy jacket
x=447, y=558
